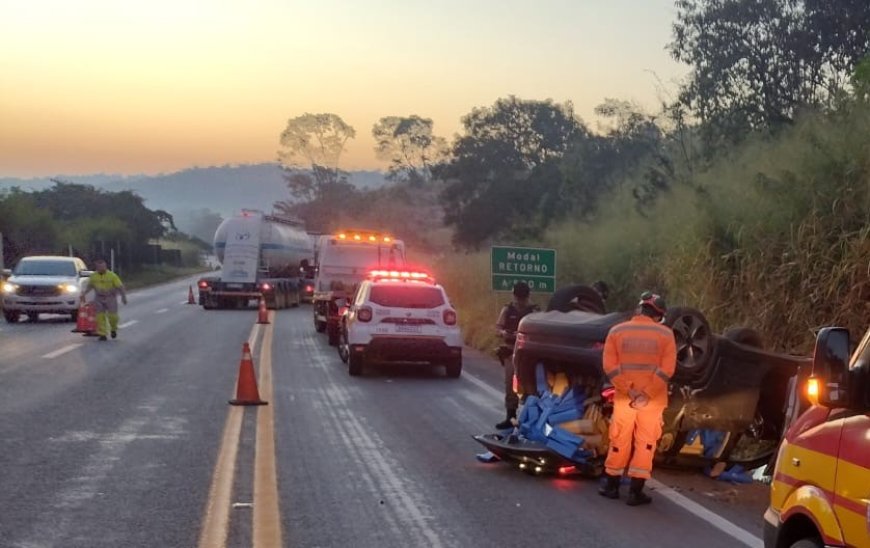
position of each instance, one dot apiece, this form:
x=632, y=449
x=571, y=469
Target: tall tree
x=755, y=63
x=501, y=170
x=407, y=143
x=313, y=143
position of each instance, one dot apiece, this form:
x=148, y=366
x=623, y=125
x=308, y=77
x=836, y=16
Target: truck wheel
x=297, y=299
x=454, y=368
x=807, y=543
x=343, y=347
x=355, y=364
x=11, y=316
x=694, y=340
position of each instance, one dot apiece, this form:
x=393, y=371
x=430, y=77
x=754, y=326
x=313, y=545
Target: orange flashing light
x=342, y=236
x=372, y=239
x=357, y=237
x=388, y=239
x=398, y=275
x=813, y=389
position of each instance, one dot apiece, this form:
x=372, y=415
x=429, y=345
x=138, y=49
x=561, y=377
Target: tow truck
x=343, y=260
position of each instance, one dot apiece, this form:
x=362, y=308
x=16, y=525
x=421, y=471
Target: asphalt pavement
x=131, y=443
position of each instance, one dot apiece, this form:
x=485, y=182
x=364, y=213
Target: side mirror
x=831, y=367
x=6, y=272
x=85, y=273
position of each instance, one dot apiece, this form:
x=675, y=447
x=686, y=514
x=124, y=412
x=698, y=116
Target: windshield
x=407, y=296
x=45, y=268
x=361, y=256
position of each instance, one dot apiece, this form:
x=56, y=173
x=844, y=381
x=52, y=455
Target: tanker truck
x=260, y=255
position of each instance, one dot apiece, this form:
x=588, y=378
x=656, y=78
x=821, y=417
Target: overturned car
x=729, y=400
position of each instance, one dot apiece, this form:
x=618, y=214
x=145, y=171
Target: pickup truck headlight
x=9, y=288
x=69, y=288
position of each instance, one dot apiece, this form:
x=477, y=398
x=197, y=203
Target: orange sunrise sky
x=156, y=86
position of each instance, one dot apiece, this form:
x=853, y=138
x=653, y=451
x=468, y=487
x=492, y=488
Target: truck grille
x=39, y=290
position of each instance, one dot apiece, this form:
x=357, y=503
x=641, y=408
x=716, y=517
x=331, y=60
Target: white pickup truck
x=44, y=284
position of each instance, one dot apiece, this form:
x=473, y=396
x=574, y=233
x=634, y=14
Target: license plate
x=408, y=329
x=234, y=286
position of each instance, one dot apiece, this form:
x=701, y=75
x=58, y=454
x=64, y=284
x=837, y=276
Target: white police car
x=400, y=316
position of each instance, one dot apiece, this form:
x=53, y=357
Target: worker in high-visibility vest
x=106, y=286
x=640, y=357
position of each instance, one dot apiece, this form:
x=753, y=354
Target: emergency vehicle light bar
x=363, y=237
x=400, y=275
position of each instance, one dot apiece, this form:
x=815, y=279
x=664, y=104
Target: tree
x=755, y=63
x=501, y=169
x=408, y=144
x=315, y=143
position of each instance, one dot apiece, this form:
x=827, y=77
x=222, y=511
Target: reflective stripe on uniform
x=640, y=327
x=615, y=471
x=638, y=366
x=636, y=470
x=662, y=375
x=615, y=372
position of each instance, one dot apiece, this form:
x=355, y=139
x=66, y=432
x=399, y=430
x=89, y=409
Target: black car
x=725, y=385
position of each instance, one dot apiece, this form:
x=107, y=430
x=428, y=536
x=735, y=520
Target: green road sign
x=535, y=266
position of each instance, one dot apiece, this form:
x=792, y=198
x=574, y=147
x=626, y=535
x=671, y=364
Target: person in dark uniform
x=507, y=324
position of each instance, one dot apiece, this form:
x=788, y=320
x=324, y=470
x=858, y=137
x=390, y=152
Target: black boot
x=636, y=496
x=507, y=423
x=610, y=489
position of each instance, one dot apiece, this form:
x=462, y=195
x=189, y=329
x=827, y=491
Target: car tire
x=588, y=300
x=319, y=326
x=807, y=543
x=453, y=369
x=355, y=364
x=332, y=338
x=695, y=343
x=744, y=335
x=11, y=316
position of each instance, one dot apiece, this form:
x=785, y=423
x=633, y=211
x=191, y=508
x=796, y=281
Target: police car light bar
x=400, y=275
x=363, y=237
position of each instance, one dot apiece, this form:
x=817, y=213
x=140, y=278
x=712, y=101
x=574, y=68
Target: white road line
x=61, y=351
x=710, y=517
x=481, y=384
x=125, y=325
x=162, y=311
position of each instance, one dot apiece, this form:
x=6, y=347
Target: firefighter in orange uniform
x=640, y=356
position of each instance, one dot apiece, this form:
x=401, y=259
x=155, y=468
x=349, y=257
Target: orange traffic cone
x=263, y=316
x=86, y=322
x=246, y=389
x=190, y=299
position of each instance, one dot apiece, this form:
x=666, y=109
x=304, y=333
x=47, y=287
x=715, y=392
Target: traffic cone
x=246, y=389
x=263, y=316
x=190, y=299
x=86, y=323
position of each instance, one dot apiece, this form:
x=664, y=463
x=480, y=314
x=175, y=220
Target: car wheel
x=694, y=340
x=11, y=316
x=343, y=346
x=576, y=297
x=807, y=543
x=332, y=337
x=454, y=368
x=319, y=326
x=33, y=317
x=744, y=335
x=355, y=364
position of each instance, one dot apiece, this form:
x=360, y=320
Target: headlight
x=9, y=288
x=69, y=288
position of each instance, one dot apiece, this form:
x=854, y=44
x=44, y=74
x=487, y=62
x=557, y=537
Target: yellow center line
x=267, y=516
x=215, y=522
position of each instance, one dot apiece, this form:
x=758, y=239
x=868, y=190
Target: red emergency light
x=400, y=275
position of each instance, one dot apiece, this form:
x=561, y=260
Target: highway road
x=131, y=443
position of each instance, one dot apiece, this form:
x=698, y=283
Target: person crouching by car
x=507, y=325
x=640, y=357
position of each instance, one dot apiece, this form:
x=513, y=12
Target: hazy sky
x=148, y=86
